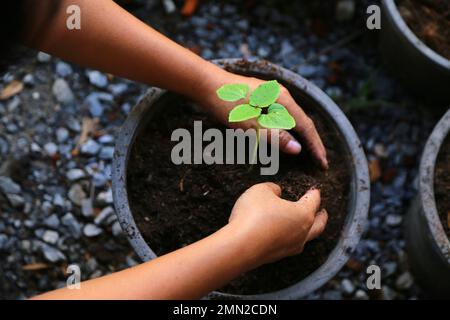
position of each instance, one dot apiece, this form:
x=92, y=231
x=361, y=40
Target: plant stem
x=255, y=149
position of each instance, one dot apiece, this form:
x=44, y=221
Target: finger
x=318, y=226
x=272, y=187
x=286, y=142
x=310, y=202
x=307, y=130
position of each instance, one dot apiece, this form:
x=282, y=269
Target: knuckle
x=308, y=124
x=284, y=138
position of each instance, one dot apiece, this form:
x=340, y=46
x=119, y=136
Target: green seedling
x=261, y=105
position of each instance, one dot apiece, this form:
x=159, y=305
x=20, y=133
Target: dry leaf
x=13, y=88
x=87, y=128
x=374, y=170
x=189, y=7
x=35, y=266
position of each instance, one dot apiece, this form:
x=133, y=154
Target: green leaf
x=243, y=112
x=232, y=92
x=277, y=117
x=265, y=94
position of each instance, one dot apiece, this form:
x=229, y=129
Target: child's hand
x=275, y=228
x=304, y=125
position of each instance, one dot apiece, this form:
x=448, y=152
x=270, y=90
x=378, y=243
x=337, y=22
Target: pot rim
x=360, y=184
x=392, y=13
x=426, y=184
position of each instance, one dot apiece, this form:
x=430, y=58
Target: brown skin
x=262, y=227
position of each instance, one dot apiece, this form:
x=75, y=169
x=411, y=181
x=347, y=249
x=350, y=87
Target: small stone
x=361, y=295
x=169, y=6
x=404, y=281
x=332, y=295
x=76, y=194
x=16, y=200
x=91, y=230
x=72, y=224
x=345, y=9
x=8, y=186
x=94, y=102
x=58, y=200
x=75, y=174
x=62, y=92
x=389, y=293
x=50, y=236
x=91, y=264
x=103, y=215
x=51, y=149
x=52, y=254
x=394, y=220
x=74, y=125
x=86, y=208
x=347, y=287
x=118, y=89
x=116, y=229
x=106, y=139
x=90, y=147
x=25, y=245
x=63, y=69
x=389, y=268
x=43, y=57
x=106, y=153
x=131, y=262
x=105, y=197
x=97, y=78
x=307, y=70
x=3, y=241
x=380, y=151
x=28, y=80
x=52, y=221
x=62, y=134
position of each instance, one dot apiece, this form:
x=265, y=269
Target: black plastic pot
x=422, y=70
x=309, y=94
x=427, y=244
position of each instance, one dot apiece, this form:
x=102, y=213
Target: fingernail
x=293, y=147
x=325, y=164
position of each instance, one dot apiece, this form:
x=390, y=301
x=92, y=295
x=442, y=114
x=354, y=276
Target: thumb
x=271, y=187
x=286, y=142
x=310, y=202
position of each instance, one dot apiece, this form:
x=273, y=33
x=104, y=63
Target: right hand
x=276, y=228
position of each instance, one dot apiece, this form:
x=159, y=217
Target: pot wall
x=423, y=71
x=427, y=243
x=311, y=95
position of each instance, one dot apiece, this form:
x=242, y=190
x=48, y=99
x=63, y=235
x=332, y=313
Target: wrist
x=248, y=251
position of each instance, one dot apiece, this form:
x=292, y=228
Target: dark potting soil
x=430, y=21
x=174, y=206
x=442, y=184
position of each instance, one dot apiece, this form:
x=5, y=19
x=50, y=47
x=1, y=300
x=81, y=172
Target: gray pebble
x=51, y=149
x=50, y=236
x=97, y=78
x=75, y=174
x=90, y=147
x=7, y=185
x=62, y=134
x=63, y=69
x=91, y=230
x=62, y=92
x=76, y=194
x=43, y=57
x=72, y=224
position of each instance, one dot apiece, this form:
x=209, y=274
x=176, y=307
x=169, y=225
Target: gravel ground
x=55, y=200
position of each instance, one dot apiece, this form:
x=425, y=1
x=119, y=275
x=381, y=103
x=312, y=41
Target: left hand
x=304, y=125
